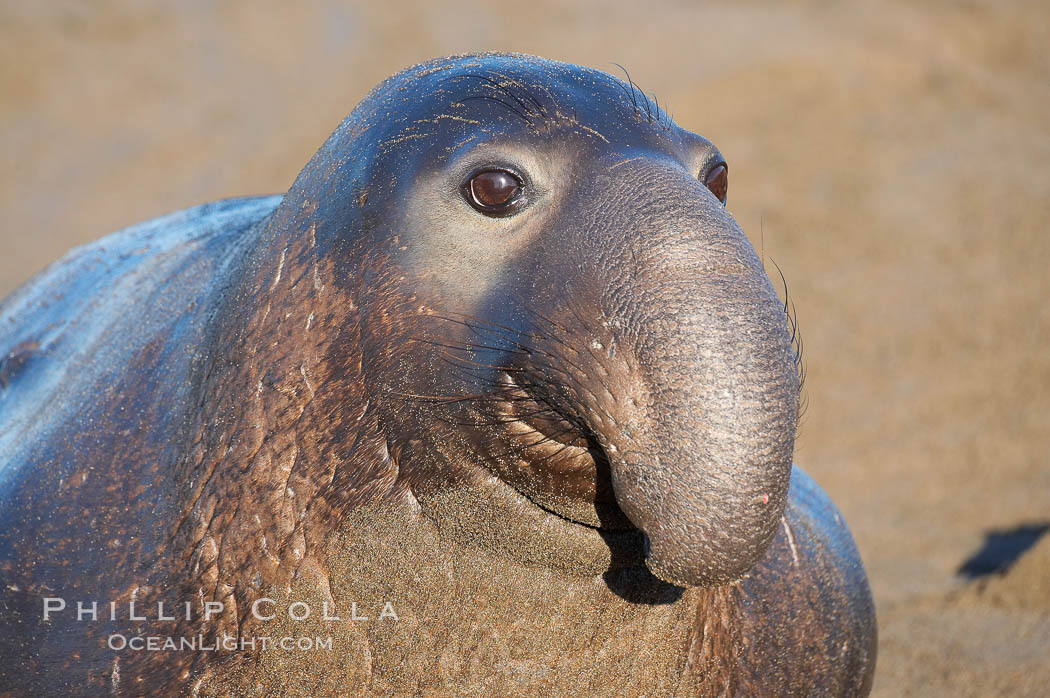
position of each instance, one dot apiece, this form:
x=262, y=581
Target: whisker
x=631, y=83
x=796, y=340
x=540, y=109
x=499, y=101
x=525, y=108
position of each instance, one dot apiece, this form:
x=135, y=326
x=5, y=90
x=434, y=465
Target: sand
x=893, y=160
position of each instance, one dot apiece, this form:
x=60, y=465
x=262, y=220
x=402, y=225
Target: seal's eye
x=717, y=180
x=493, y=192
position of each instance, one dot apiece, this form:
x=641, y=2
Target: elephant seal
x=497, y=399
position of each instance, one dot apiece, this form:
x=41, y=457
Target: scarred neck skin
x=286, y=436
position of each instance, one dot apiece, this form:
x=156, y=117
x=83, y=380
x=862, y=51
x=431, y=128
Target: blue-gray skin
x=549, y=418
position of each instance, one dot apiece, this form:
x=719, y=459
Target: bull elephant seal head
x=577, y=355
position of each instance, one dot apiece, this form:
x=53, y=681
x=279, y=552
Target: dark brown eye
x=717, y=180
x=493, y=191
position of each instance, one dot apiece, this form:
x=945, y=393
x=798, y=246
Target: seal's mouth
x=558, y=463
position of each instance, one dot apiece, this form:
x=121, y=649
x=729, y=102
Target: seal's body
x=497, y=398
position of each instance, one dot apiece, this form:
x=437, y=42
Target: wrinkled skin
x=557, y=439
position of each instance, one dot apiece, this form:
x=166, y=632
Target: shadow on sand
x=1001, y=549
